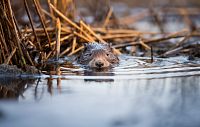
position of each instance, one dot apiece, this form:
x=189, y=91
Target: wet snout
x=99, y=63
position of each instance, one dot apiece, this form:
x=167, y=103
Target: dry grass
x=59, y=35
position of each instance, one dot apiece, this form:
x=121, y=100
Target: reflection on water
x=12, y=88
x=161, y=103
x=99, y=74
x=165, y=102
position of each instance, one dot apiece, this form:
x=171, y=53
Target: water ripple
x=138, y=68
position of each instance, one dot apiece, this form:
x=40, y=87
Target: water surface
x=137, y=93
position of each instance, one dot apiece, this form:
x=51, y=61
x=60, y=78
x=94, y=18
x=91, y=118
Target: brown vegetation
x=57, y=33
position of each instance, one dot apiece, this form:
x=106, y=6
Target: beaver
x=98, y=55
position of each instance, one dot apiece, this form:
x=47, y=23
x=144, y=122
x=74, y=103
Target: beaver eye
x=88, y=54
x=107, y=54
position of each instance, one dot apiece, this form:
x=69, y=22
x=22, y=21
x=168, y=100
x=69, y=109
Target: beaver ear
x=110, y=46
x=85, y=46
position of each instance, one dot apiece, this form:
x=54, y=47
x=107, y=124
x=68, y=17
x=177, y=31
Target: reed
x=57, y=34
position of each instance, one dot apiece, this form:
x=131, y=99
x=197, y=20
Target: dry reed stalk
x=37, y=7
x=31, y=22
x=50, y=9
x=83, y=37
x=122, y=31
x=190, y=24
x=110, y=12
x=66, y=30
x=58, y=30
x=64, y=17
x=176, y=10
x=74, y=44
x=55, y=3
x=41, y=12
x=132, y=19
x=61, y=40
x=65, y=51
x=157, y=19
x=182, y=41
x=125, y=44
x=171, y=36
x=92, y=32
x=59, y=72
x=187, y=20
x=38, y=30
x=75, y=51
x=15, y=33
x=67, y=7
x=17, y=26
x=2, y=40
x=49, y=30
x=70, y=22
x=10, y=56
x=2, y=54
x=29, y=58
x=51, y=15
x=81, y=27
x=144, y=45
x=170, y=52
x=114, y=36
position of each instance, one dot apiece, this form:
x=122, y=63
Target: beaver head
x=98, y=55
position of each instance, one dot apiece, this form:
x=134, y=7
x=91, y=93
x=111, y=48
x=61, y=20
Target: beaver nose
x=99, y=64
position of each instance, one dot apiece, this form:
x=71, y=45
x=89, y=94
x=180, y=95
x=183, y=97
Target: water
x=136, y=93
